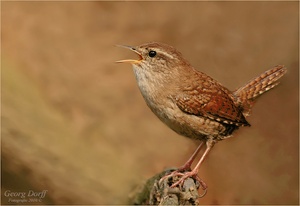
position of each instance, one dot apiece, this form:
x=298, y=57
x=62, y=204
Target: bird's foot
x=178, y=172
x=172, y=174
x=183, y=175
x=190, y=174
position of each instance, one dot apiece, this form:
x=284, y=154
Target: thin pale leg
x=188, y=164
x=194, y=172
x=185, y=167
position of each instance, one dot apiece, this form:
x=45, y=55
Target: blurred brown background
x=74, y=122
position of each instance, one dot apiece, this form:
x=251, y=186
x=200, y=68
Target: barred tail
x=257, y=86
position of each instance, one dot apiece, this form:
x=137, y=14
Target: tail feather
x=257, y=86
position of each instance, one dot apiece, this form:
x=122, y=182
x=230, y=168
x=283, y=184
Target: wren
x=192, y=103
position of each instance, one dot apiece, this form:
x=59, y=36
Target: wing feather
x=211, y=100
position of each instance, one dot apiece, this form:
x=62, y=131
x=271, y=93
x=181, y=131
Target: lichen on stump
x=153, y=192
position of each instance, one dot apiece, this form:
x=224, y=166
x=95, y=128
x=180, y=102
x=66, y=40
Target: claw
x=204, y=193
x=202, y=184
x=174, y=173
x=184, y=177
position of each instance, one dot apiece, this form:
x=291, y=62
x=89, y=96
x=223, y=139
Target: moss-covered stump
x=153, y=192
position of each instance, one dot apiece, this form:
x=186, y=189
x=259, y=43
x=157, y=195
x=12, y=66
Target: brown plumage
x=190, y=102
x=254, y=88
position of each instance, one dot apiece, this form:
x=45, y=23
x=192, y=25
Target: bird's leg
x=209, y=144
x=188, y=164
x=185, y=167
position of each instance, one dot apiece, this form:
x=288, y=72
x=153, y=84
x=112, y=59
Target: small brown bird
x=190, y=102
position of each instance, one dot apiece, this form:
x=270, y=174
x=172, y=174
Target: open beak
x=132, y=61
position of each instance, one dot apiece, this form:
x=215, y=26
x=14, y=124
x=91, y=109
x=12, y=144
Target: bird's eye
x=152, y=53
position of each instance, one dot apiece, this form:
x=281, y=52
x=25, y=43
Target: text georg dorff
x=30, y=193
